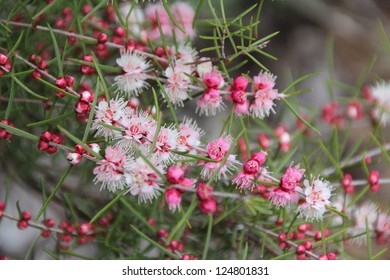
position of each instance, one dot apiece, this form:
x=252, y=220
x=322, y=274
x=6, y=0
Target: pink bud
x=173, y=198
x=300, y=249
x=79, y=149
x=120, y=31
x=3, y=59
x=213, y=79
x=263, y=141
x=82, y=107
x=26, y=215
x=308, y=245
x=102, y=38
x=43, y=146
x=346, y=180
x=46, y=136
x=61, y=82
x=73, y=158
x=88, y=58
x=22, y=224
x=95, y=147
x=86, y=96
x=331, y=256
x=260, y=157
x=69, y=81
x=208, y=206
x=251, y=166
x=51, y=150
x=49, y=222
x=204, y=191
x=45, y=233
x=162, y=233
x=323, y=257
x=175, y=174
x=375, y=187
x=240, y=83
x=2, y=205
x=373, y=178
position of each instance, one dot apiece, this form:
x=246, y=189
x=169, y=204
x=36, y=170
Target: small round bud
x=73, y=158
x=204, y=191
x=69, y=81
x=102, y=38
x=373, y=178
x=46, y=136
x=208, y=206
x=61, y=82
x=51, y=150
x=49, y=222
x=45, y=233
x=82, y=107
x=43, y=146
x=3, y=59
x=22, y=224
x=86, y=96
x=240, y=83
x=26, y=215
x=251, y=166
x=94, y=147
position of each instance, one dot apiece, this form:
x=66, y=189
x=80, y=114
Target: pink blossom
x=210, y=103
x=213, y=79
x=166, y=142
x=112, y=113
x=217, y=149
x=204, y=191
x=264, y=81
x=173, y=199
x=142, y=180
x=176, y=86
x=317, y=197
x=364, y=217
x=137, y=127
x=110, y=171
x=208, y=206
x=241, y=109
x=244, y=181
x=135, y=67
x=263, y=103
x=260, y=157
x=184, y=14
x=280, y=198
x=189, y=135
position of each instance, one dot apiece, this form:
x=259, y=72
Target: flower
x=113, y=114
x=177, y=83
x=166, y=142
x=217, y=150
x=134, y=67
x=263, y=103
x=210, y=103
x=142, y=180
x=364, y=218
x=110, y=171
x=381, y=95
x=136, y=128
x=173, y=198
x=382, y=228
x=264, y=81
x=317, y=195
x=288, y=187
x=189, y=136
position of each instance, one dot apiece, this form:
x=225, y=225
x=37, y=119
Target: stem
x=356, y=159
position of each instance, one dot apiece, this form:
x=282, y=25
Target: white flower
x=134, y=66
x=381, y=94
x=166, y=142
x=186, y=54
x=317, y=197
x=367, y=213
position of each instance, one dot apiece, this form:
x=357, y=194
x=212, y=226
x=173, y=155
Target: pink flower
x=244, y=181
x=288, y=187
x=217, y=149
x=142, y=180
x=189, y=135
x=110, y=171
x=135, y=67
x=173, y=198
x=213, y=79
x=210, y=103
x=208, y=206
x=166, y=142
x=137, y=127
x=280, y=198
x=264, y=81
x=317, y=197
x=263, y=103
x=113, y=113
x=176, y=86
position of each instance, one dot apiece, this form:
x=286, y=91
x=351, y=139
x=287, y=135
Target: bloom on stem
x=110, y=171
x=189, y=136
x=177, y=83
x=364, y=218
x=142, y=180
x=217, y=150
x=133, y=79
x=265, y=94
x=288, y=187
x=317, y=197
